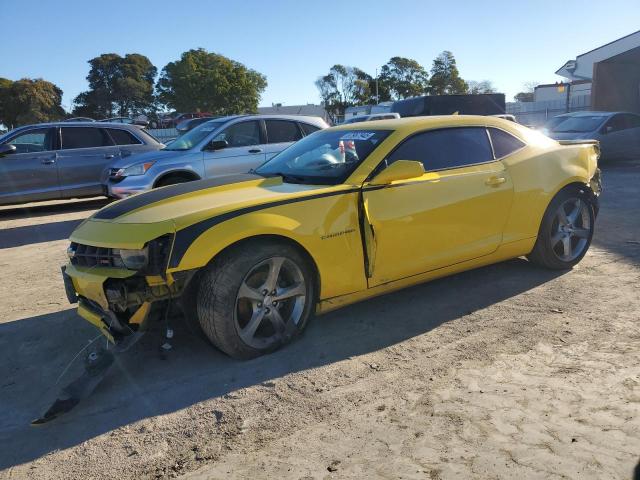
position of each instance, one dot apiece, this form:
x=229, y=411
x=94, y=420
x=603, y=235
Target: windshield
x=325, y=157
x=554, y=122
x=579, y=124
x=194, y=137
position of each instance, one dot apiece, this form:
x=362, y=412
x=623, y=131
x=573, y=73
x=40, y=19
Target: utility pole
x=377, y=95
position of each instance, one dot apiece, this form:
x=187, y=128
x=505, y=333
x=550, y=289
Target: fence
x=165, y=135
x=537, y=113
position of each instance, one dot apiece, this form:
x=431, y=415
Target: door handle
x=255, y=150
x=494, y=181
x=48, y=160
x=109, y=156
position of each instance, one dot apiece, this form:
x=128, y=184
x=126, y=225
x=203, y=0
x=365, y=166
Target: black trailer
x=480, y=104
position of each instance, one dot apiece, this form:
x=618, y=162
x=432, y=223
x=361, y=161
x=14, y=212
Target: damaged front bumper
x=117, y=301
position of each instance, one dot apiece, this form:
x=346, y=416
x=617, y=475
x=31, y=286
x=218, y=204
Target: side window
x=84, y=137
x=35, y=140
x=504, y=143
x=242, y=134
x=616, y=123
x=631, y=121
x=122, y=137
x=280, y=131
x=446, y=148
x=308, y=129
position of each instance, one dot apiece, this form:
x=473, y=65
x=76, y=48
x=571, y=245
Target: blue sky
x=294, y=42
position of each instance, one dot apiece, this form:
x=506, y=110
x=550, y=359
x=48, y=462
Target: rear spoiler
x=578, y=142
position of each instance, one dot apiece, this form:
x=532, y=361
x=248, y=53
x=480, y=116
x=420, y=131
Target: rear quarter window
x=504, y=143
x=123, y=137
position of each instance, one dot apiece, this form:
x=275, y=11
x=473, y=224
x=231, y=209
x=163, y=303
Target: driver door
x=453, y=213
x=245, y=150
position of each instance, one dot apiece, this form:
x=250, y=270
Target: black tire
x=546, y=252
x=219, y=303
x=173, y=180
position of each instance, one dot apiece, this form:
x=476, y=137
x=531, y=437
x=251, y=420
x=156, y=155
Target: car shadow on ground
x=34, y=351
x=33, y=210
x=29, y=234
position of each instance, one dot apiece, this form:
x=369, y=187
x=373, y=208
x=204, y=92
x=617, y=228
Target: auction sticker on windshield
x=357, y=136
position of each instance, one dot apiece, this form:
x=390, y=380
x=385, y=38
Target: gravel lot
x=505, y=372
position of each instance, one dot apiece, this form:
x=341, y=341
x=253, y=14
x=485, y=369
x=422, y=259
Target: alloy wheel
x=571, y=229
x=270, y=302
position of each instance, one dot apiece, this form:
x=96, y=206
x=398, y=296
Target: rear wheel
x=566, y=231
x=256, y=298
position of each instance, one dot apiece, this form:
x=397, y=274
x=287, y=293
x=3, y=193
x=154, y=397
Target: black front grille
x=90, y=256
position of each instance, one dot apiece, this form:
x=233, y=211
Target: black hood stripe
x=147, y=198
x=186, y=236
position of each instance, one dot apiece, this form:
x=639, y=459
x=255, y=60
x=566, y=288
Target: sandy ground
x=504, y=372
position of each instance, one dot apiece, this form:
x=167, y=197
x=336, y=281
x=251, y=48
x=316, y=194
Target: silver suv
x=221, y=146
x=52, y=161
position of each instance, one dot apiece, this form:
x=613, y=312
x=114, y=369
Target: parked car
x=79, y=119
x=343, y=215
x=372, y=116
x=51, y=161
x=226, y=145
x=126, y=120
x=617, y=132
x=173, y=121
x=186, y=125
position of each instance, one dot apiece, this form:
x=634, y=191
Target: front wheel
x=256, y=298
x=566, y=231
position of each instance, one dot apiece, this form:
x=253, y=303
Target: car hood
x=133, y=221
x=150, y=156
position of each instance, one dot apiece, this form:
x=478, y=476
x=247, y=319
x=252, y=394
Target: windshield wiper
x=286, y=177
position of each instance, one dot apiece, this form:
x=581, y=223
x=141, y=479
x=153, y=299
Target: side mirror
x=608, y=129
x=399, y=170
x=6, y=149
x=217, y=145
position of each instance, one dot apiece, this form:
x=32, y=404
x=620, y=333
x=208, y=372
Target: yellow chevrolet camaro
x=344, y=214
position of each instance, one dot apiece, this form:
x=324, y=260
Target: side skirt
x=504, y=252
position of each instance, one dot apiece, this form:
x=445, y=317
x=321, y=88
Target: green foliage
x=527, y=95
x=117, y=85
x=485, y=86
x=344, y=86
x=206, y=81
x=29, y=101
x=403, y=78
x=445, y=78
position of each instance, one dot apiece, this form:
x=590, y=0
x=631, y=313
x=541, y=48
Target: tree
x=527, y=95
x=485, y=86
x=404, y=77
x=29, y=101
x=345, y=86
x=206, y=81
x=5, y=86
x=117, y=85
x=445, y=78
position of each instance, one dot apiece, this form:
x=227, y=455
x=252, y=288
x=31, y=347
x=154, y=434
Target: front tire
x=565, y=232
x=256, y=298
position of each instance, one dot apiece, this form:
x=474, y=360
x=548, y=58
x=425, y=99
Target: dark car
x=617, y=132
x=79, y=119
x=186, y=125
x=51, y=161
x=129, y=121
x=173, y=121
